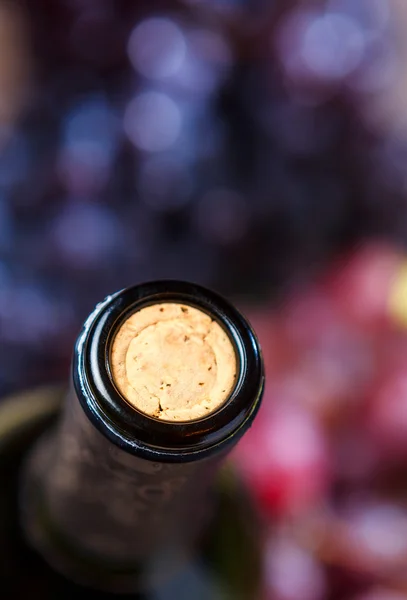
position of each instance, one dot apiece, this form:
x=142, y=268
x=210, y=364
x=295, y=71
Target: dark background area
x=221, y=142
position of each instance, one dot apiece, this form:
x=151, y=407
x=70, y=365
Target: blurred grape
x=152, y=121
x=381, y=528
x=157, y=48
x=284, y=458
x=292, y=573
x=388, y=415
x=362, y=285
x=86, y=235
x=90, y=136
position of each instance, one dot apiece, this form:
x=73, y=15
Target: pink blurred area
x=326, y=460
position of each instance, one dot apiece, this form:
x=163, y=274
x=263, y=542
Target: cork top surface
x=173, y=362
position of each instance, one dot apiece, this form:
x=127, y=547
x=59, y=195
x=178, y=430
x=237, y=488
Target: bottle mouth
x=173, y=362
x=133, y=429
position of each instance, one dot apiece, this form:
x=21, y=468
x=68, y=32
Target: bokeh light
x=89, y=146
x=292, y=573
x=157, y=48
x=86, y=235
x=332, y=46
x=152, y=121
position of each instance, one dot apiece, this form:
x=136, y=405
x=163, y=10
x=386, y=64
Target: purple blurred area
x=259, y=148
x=238, y=144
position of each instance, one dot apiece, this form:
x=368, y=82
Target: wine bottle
x=125, y=490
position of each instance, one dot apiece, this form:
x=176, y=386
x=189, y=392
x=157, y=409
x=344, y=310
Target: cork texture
x=173, y=362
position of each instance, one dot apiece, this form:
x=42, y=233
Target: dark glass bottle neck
x=136, y=432
x=115, y=499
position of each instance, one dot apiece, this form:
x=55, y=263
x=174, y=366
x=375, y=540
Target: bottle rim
x=149, y=437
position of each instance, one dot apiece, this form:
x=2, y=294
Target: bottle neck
x=99, y=509
x=115, y=499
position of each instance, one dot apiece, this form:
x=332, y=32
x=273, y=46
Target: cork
x=173, y=362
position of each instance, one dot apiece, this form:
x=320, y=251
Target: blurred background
x=258, y=147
